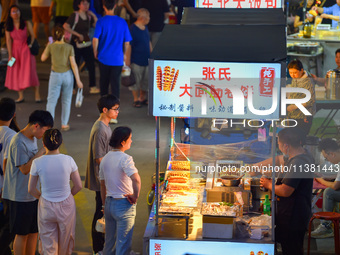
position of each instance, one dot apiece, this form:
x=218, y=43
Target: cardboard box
x=217, y=227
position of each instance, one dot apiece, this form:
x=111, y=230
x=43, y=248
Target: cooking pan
x=231, y=180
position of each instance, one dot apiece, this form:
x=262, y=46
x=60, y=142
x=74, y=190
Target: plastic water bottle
x=266, y=205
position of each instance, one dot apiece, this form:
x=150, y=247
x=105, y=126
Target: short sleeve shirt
x=116, y=169
x=98, y=147
x=333, y=10
x=112, y=32
x=140, y=45
x=21, y=150
x=60, y=56
x=82, y=27
x=294, y=211
x=54, y=173
x=40, y=3
x=63, y=7
x=6, y=135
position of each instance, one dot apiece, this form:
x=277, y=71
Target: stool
x=334, y=217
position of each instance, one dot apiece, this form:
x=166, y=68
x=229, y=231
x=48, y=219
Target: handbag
x=100, y=225
x=128, y=80
x=35, y=46
x=79, y=98
x=84, y=44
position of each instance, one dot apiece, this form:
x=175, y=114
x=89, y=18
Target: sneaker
x=113, y=121
x=322, y=232
x=99, y=253
x=94, y=90
x=134, y=253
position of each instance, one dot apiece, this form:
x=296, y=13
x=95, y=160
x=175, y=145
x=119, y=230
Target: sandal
x=137, y=104
x=144, y=102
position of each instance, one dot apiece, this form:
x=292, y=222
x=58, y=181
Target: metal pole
x=273, y=181
x=156, y=203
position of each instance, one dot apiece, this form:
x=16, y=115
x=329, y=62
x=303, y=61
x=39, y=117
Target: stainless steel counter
x=329, y=40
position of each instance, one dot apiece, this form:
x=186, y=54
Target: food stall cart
x=206, y=74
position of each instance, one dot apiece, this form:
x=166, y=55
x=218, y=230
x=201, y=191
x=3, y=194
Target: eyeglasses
x=115, y=109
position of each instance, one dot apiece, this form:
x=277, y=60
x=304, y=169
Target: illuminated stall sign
x=216, y=89
x=176, y=247
x=238, y=4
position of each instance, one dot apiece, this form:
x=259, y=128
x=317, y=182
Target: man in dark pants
x=108, y=107
x=293, y=190
x=111, y=43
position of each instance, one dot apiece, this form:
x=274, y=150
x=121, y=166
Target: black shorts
x=23, y=218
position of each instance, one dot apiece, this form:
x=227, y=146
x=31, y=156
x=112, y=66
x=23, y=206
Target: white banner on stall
x=216, y=89
x=246, y=4
x=176, y=247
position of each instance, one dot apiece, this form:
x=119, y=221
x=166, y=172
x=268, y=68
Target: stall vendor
x=301, y=79
x=293, y=189
x=300, y=14
x=332, y=12
x=330, y=149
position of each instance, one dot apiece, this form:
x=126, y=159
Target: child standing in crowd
x=22, y=74
x=120, y=185
x=108, y=107
x=23, y=208
x=57, y=208
x=61, y=78
x=140, y=54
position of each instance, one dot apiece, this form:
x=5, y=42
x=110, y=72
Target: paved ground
x=76, y=145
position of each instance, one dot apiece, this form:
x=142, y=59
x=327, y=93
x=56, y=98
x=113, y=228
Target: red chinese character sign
x=246, y=4
x=180, y=247
x=216, y=90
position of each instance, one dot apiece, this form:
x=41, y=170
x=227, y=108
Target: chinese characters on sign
x=220, y=89
x=238, y=4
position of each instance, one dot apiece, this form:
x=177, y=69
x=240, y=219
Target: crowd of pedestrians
x=37, y=197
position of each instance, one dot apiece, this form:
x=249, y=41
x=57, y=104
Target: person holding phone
x=61, y=78
x=21, y=72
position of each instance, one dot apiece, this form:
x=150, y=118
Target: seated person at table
x=298, y=21
x=330, y=149
x=293, y=190
x=331, y=12
x=323, y=81
x=301, y=79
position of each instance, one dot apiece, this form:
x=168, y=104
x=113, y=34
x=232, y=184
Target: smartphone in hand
x=50, y=39
x=11, y=62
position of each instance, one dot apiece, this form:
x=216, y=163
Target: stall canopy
x=225, y=35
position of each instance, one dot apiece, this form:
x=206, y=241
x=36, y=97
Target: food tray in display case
x=178, y=165
x=222, y=209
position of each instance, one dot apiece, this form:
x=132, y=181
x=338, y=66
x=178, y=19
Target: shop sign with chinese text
x=238, y=4
x=178, y=247
x=216, y=89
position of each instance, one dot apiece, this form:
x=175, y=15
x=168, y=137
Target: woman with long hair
x=61, y=78
x=22, y=74
x=56, y=208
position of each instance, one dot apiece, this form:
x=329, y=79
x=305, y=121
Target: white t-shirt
x=40, y=3
x=6, y=135
x=54, y=173
x=116, y=168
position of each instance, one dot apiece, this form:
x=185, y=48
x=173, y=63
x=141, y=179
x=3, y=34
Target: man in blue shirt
x=140, y=54
x=111, y=43
x=332, y=13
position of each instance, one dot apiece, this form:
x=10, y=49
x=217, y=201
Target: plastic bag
x=79, y=98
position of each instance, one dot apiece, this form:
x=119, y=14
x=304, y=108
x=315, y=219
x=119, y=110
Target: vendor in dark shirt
x=300, y=16
x=293, y=189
